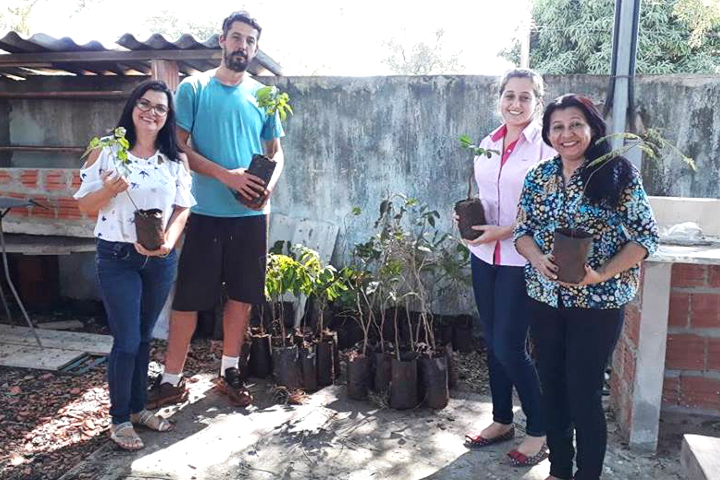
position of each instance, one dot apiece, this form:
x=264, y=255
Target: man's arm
x=274, y=150
x=249, y=186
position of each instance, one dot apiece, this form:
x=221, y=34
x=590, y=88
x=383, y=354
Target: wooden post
x=167, y=71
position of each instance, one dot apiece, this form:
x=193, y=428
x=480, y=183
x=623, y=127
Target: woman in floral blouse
x=575, y=326
x=135, y=282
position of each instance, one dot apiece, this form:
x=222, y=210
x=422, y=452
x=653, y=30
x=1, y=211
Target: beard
x=236, y=61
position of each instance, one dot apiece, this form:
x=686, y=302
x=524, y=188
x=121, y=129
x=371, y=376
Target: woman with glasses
x=575, y=326
x=135, y=282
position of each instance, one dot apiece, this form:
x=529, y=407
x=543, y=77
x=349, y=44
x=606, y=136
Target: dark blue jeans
x=573, y=346
x=503, y=306
x=134, y=289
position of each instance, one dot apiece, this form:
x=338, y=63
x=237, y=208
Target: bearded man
x=220, y=128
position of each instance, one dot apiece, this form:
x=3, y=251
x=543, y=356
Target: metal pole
x=625, y=44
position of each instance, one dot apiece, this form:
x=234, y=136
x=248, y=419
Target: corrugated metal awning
x=45, y=55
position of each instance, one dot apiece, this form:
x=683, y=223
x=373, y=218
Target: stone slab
x=92, y=343
x=26, y=356
x=700, y=457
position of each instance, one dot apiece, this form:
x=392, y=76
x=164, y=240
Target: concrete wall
x=354, y=140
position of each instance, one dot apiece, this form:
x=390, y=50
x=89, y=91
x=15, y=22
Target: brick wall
x=52, y=188
x=622, y=381
x=692, y=362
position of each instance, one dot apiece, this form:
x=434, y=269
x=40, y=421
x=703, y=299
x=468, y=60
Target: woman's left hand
x=163, y=251
x=591, y=277
x=491, y=233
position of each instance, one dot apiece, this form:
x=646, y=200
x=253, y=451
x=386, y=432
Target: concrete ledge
x=47, y=244
x=700, y=457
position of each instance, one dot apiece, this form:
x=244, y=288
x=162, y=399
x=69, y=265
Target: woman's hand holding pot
x=591, y=277
x=544, y=264
x=163, y=251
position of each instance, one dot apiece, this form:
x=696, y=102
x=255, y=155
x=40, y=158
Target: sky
x=323, y=37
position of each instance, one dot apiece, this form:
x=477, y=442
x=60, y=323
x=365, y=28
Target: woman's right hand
x=544, y=264
x=114, y=183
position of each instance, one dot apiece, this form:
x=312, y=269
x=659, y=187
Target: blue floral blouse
x=546, y=204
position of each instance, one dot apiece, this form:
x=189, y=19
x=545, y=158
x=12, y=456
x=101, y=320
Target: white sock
x=171, y=378
x=228, y=362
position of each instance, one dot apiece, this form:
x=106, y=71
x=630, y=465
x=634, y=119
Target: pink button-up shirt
x=500, y=185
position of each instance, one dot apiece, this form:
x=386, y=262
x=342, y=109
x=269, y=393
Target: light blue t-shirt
x=226, y=126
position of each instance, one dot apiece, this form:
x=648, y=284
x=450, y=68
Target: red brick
x=29, y=178
x=76, y=180
x=68, y=208
x=705, y=310
x=685, y=352
x=700, y=392
x=55, y=180
x=671, y=391
x=618, y=358
x=629, y=367
x=713, y=274
x=41, y=212
x=713, y=354
x=687, y=275
x=631, y=325
x=5, y=176
x=679, y=309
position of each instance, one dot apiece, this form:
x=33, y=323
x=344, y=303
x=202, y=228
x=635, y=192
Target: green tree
x=422, y=58
x=171, y=26
x=15, y=15
x=572, y=36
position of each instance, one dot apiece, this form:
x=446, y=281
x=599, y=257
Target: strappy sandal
x=149, y=420
x=125, y=437
x=521, y=460
x=478, y=441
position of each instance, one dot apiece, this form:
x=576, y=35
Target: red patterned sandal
x=478, y=441
x=521, y=460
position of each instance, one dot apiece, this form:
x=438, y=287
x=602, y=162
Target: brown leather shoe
x=231, y=384
x=161, y=394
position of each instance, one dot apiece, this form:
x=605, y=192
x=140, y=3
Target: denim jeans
x=134, y=289
x=573, y=346
x=503, y=306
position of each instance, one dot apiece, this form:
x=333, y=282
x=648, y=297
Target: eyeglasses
x=145, y=106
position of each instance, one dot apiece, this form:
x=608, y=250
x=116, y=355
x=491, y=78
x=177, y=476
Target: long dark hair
x=609, y=178
x=166, y=140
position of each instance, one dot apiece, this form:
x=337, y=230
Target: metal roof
x=42, y=54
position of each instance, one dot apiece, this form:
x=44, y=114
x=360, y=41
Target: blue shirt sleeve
x=272, y=128
x=185, y=106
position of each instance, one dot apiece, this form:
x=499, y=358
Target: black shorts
x=217, y=251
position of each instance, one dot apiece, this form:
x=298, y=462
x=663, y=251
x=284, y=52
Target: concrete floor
x=331, y=437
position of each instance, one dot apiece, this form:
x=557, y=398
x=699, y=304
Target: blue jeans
x=134, y=289
x=503, y=305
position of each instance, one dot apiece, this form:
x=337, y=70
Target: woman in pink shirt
x=497, y=268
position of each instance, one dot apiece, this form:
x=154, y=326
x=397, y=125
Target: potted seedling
x=148, y=223
x=270, y=99
x=325, y=286
x=284, y=275
x=572, y=246
x=359, y=366
x=470, y=211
